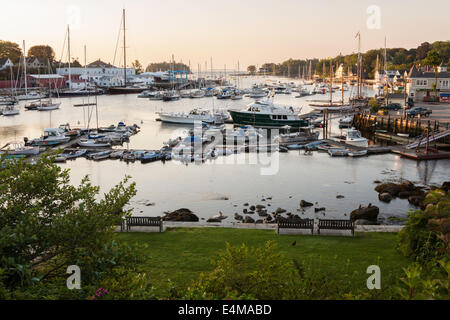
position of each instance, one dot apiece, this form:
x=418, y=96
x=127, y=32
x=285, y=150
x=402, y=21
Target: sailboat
x=125, y=88
x=32, y=95
x=330, y=107
x=71, y=92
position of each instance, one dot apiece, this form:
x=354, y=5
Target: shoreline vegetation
x=47, y=225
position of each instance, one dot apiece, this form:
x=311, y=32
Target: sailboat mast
x=238, y=76
x=342, y=83
x=331, y=82
x=25, y=67
x=124, y=52
x=68, y=50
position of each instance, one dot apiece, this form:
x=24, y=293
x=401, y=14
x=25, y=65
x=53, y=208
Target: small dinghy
x=150, y=157
x=116, y=154
x=314, y=145
x=89, y=143
x=338, y=152
x=74, y=154
x=360, y=153
x=100, y=155
x=128, y=156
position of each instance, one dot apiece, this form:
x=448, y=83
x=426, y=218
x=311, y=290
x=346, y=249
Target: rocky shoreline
x=363, y=215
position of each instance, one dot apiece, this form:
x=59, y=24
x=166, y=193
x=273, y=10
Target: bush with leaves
x=47, y=224
x=248, y=273
x=425, y=238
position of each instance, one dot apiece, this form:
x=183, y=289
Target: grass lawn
x=182, y=254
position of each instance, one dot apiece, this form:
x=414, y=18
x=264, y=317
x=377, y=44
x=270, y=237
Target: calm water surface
x=171, y=185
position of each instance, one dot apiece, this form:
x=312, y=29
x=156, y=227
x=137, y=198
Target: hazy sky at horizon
x=248, y=31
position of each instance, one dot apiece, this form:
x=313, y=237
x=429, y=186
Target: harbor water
x=220, y=185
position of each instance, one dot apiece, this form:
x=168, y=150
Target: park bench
x=143, y=222
x=291, y=226
x=326, y=224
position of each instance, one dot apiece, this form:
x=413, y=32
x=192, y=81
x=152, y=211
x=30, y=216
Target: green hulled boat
x=264, y=114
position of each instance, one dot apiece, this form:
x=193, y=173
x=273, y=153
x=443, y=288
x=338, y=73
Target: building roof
x=3, y=61
x=417, y=73
x=100, y=64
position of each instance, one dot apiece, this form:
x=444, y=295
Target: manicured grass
x=182, y=254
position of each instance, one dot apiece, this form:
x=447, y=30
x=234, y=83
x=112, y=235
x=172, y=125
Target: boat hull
x=264, y=120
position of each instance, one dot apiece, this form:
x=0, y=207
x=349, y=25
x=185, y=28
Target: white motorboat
x=192, y=117
x=10, y=111
x=197, y=94
x=257, y=93
x=51, y=137
x=18, y=148
x=353, y=137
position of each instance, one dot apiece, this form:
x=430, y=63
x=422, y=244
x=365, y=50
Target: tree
x=42, y=51
x=47, y=224
x=422, y=50
x=433, y=59
x=251, y=69
x=137, y=65
x=166, y=66
x=10, y=50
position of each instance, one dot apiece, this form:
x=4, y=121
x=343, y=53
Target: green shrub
x=248, y=273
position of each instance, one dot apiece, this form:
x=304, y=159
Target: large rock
x=446, y=186
x=279, y=210
x=395, y=188
x=304, y=203
x=238, y=216
x=182, y=214
x=416, y=200
x=367, y=213
x=385, y=197
x=248, y=219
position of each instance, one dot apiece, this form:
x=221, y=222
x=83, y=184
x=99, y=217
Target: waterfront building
x=5, y=63
x=421, y=84
x=101, y=73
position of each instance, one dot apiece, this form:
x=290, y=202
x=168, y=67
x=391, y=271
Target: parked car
x=413, y=112
x=392, y=106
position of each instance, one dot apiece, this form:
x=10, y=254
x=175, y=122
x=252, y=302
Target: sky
x=248, y=31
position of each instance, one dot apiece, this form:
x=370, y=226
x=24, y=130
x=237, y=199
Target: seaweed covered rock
x=367, y=213
x=182, y=214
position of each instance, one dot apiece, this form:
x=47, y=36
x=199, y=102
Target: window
x=421, y=82
x=444, y=83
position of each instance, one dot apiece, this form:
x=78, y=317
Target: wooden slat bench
x=326, y=224
x=143, y=222
x=300, y=224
